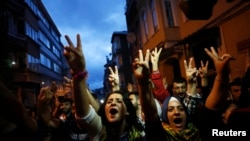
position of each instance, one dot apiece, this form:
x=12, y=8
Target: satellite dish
x=131, y=37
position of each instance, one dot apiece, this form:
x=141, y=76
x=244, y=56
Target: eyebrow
x=175, y=106
x=115, y=98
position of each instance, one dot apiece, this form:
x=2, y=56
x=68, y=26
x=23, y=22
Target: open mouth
x=177, y=120
x=113, y=111
x=181, y=95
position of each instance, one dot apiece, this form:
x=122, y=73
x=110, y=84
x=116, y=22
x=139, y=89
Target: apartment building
x=32, y=53
x=120, y=57
x=185, y=28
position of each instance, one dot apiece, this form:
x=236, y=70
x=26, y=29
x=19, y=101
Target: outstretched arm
x=142, y=74
x=85, y=114
x=159, y=91
x=76, y=61
x=44, y=106
x=217, y=97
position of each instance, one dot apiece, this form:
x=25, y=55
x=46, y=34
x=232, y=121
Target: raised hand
x=114, y=78
x=220, y=62
x=154, y=57
x=191, y=71
x=140, y=64
x=203, y=69
x=217, y=97
x=45, y=94
x=74, y=55
x=68, y=83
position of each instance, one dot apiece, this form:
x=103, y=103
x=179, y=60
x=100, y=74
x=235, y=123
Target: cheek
x=184, y=116
x=124, y=109
x=106, y=106
x=169, y=115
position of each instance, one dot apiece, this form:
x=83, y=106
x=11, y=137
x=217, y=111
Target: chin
x=182, y=95
x=113, y=120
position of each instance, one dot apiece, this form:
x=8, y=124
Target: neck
x=118, y=129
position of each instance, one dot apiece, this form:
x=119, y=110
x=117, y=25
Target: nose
x=113, y=102
x=176, y=111
x=182, y=90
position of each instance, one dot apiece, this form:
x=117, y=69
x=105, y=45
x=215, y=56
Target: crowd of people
x=183, y=110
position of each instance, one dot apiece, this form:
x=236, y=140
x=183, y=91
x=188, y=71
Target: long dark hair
x=131, y=118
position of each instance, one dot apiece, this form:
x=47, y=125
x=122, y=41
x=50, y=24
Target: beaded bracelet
x=82, y=74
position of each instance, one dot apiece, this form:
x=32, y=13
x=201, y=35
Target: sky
x=95, y=21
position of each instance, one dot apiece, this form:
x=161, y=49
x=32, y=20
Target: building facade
x=120, y=57
x=184, y=30
x=32, y=53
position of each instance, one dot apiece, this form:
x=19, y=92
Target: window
x=43, y=19
x=154, y=15
x=33, y=63
x=30, y=31
x=44, y=39
x=169, y=13
x=145, y=23
x=32, y=6
x=45, y=61
x=119, y=61
x=57, y=37
x=55, y=51
x=56, y=68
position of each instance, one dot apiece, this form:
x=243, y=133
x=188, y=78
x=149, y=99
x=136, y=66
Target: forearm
x=191, y=88
x=147, y=102
x=81, y=97
x=115, y=88
x=93, y=102
x=204, y=82
x=155, y=67
x=44, y=113
x=218, y=94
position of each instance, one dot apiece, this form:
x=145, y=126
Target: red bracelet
x=82, y=74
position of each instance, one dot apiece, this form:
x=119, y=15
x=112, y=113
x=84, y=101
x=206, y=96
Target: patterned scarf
x=189, y=134
x=134, y=134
